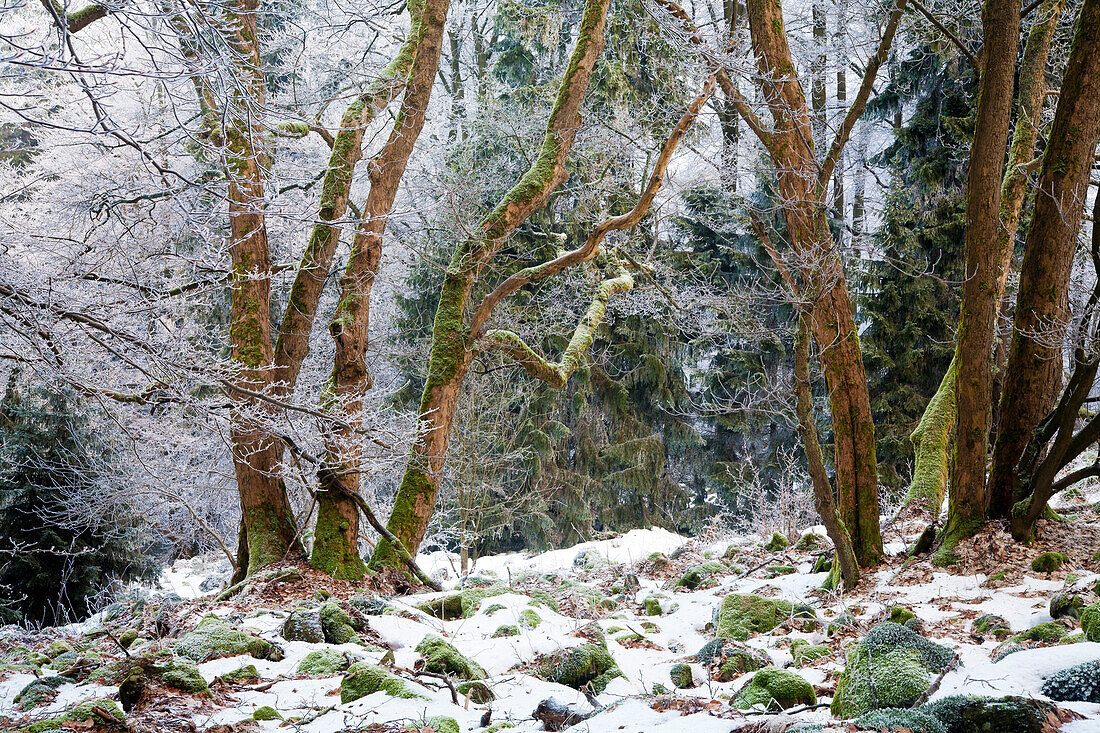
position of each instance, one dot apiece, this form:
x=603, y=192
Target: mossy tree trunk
x=974, y=347
x=1034, y=374
x=933, y=436
x=335, y=547
x=451, y=355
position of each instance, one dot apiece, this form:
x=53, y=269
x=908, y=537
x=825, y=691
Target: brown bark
x=1034, y=375
x=968, y=498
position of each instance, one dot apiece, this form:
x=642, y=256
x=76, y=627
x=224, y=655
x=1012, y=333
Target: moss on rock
x=1048, y=562
x=39, y=692
x=804, y=652
x=214, y=638
x=775, y=690
x=364, y=679
x=726, y=659
x=891, y=667
x=991, y=623
x=962, y=714
x=304, y=625
x=242, y=674
x=742, y=615
x=698, y=575
x=441, y=724
x=445, y=608
x=776, y=543
x=440, y=656
x=338, y=626
x=586, y=665
x=681, y=676
x=528, y=619
x=182, y=674
x=505, y=630
x=1090, y=621
x=477, y=690
x=1066, y=604
x=266, y=713
x=323, y=662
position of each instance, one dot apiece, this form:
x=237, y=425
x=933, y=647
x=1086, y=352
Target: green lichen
x=364, y=679
x=127, y=638
x=323, y=662
x=441, y=657
x=742, y=615
x=775, y=690
x=214, y=638
x=891, y=667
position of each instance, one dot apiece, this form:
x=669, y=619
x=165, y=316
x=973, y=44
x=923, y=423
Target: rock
x=1090, y=621
x=323, y=662
x=775, y=570
x=810, y=541
x=1048, y=562
x=653, y=606
x=266, y=713
x=742, y=615
x=441, y=657
x=776, y=543
x=241, y=674
x=477, y=690
x=102, y=712
x=697, y=575
x=901, y=614
x=962, y=714
x=39, y=692
x=213, y=638
x=304, y=625
x=681, y=676
x=804, y=652
x=899, y=720
x=445, y=608
x=726, y=659
x=131, y=690
x=64, y=661
x=1066, y=604
x=588, y=665
x=658, y=561
x=843, y=621
x=1077, y=684
x=1047, y=633
x=363, y=679
x=472, y=597
x=369, y=605
x=127, y=638
x=338, y=626
x=556, y=715
x=182, y=674
x=775, y=690
x=732, y=551
x=506, y=630
x=588, y=560
x=59, y=647
x=989, y=623
x=891, y=667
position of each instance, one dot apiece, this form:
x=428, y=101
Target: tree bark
x=968, y=499
x=451, y=354
x=335, y=547
x=1034, y=375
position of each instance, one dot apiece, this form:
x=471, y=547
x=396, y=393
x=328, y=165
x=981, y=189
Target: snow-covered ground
x=645, y=647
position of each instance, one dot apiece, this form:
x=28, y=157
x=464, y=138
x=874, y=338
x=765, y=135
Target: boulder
x=962, y=714
x=1048, y=562
x=742, y=615
x=214, y=638
x=697, y=575
x=304, y=625
x=775, y=690
x=363, y=679
x=337, y=626
x=726, y=659
x=443, y=658
x=323, y=662
x=587, y=665
x=681, y=676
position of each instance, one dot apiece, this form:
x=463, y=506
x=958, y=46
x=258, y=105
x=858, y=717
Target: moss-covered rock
x=844, y=621
x=732, y=551
x=505, y=630
x=101, y=711
x=891, y=667
x=962, y=714
x=445, y=608
x=214, y=638
x=59, y=647
x=441, y=724
x=1078, y=684
x=441, y=657
x=899, y=720
x=588, y=665
x=182, y=674
x=776, y=543
x=1090, y=621
x=338, y=626
x=304, y=625
x=810, y=541
x=901, y=614
x=726, y=659
x=775, y=690
x=529, y=619
x=742, y=615
x=804, y=652
x=1066, y=604
x=1048, y=633
x=323, y=662
x=364, y=679
x=652, y=606
x=266, y=713
x=777, y=570
x=989, y=623
x=127, y=637
x=681, y=676
x=1048, y=562
x=245, y=673
x=472, y=597
x=39, y=692
x=698, y=575
x=822, y=564
x=477, y=690
x=64, y=661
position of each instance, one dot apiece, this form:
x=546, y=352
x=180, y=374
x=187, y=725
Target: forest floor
x=519, y=611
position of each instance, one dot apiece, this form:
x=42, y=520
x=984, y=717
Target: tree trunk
x=450, y=355
x=335, y=547
x=973, y=385
x=1034, y=375
x=1032, y=91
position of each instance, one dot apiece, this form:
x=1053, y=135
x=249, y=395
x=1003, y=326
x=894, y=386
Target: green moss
x=681, y=676
x=1065, y=604
x=478, y=691
x=182, y=674
x=809, y=541
x=472, y=597
x=776, y=543
x=1048, y=632
x=446, y=608
x=990, y=623
x=364, y=679
x=899, y=720
x=39, y=692
x=441, y=724
x=333, y=553
x=1048, y=562
x=775, y=690
x=494, y=608
x=528, y=619
x=697, y=575
x=242, y=674
x=901, y=614
x=804, y=652
x=213, y=638
x=727, y=659
x=127, y=638
x=742, y=615
x=780, y=570
x=323, y=662
x=586, y=665
x=732, y=551
x=506, y=630
x=649, y=627
x=652, y=606
x=822, y=564
x=439, y=656
x=266, y=713
x=304, y=625
x=1090, y=621
x=338, y=626
x=891, y=667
